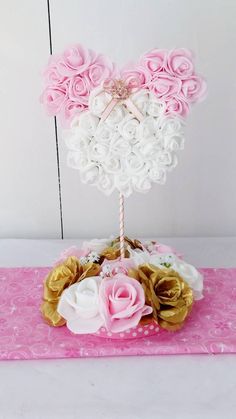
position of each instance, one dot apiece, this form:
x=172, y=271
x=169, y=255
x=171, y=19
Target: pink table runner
x=211, y=327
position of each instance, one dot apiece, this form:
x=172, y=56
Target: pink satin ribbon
x=120, y=91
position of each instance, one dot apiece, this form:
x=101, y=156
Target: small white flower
x=107, y=270
x=83, y=260
x=93, y=257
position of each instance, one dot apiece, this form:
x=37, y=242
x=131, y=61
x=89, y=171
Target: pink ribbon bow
x=120, y=91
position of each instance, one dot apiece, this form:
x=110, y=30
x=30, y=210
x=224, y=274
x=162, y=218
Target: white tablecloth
x=165, y=387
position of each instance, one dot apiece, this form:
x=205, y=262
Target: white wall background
x=199, y=198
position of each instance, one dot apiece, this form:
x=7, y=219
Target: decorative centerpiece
x=123, y=129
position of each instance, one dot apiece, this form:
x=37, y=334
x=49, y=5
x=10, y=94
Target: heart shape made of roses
x=121, y=151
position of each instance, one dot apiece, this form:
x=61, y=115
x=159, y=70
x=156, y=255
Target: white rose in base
x=97, y=245
x=191, y=275
x=188, y=272
x=79, y=306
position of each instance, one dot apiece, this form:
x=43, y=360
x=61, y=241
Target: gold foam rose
x=113, y=252
x=60, y=278
x=169, y=295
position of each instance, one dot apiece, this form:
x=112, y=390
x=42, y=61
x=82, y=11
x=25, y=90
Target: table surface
x=176, y=387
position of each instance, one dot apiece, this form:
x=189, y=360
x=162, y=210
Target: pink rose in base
x=79, y=88
x=193, y=89
x=53, y=97
x=165, y=86
x=71, y=251
x=176, y=106
x=122, y=303
x=75, y=60
x=180, y=63
x=118, y=266
x=155, y=60
x=136, y=75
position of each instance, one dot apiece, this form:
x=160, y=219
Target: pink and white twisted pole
x=122, y=236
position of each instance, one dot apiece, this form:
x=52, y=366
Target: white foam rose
x=128, y=127
x=135, y=163
x=157, y=174
x=78, y=160
x=90, y=174
x=173, y=142
x=155, y=107
x=112, y=165
x=191, y=275
x=79, y=306
x=88, y=122
x=106, y=183
x=97, y=245
x=141, y=99
x=116, y=116
x=170, y=125
x=98, y=101
x=104, y=133
x=147, y=128
x=98, y=151
x=120, y=147
x=141, y=184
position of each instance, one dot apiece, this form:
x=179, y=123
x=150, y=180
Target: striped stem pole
x=122, y=237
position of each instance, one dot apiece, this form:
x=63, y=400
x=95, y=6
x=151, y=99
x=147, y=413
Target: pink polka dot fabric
x=210, y=329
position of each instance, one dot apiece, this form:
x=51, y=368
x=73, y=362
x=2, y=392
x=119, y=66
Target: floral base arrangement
x=93, y=290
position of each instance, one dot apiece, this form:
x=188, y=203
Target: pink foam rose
x=134, y=75
x=75, y=60
x=155, y=60
x=53, y=98
x=69, y=109
x=165, y=86
x=119, y=266
x=101, y=69
x=122, y=303
x=79, y=88
x=162, y=248
x=180, y=63
x=71, y=251
x=51, y=74
x=193, y=89
x=177, y=106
